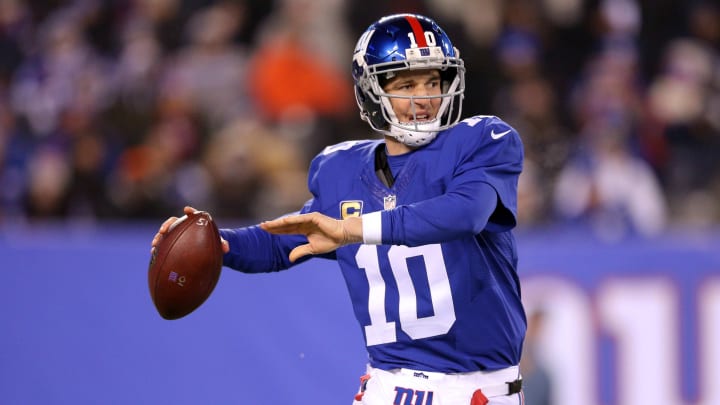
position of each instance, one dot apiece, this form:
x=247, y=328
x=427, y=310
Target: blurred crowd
x=131, y=109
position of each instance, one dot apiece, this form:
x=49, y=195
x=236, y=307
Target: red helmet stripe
x=417, y=31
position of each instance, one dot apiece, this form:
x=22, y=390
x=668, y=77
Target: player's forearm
x=255, y=251
x=450, y=216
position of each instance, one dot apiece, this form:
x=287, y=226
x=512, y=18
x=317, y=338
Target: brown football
x=185, y=266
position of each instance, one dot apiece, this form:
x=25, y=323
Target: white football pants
x=414, y=387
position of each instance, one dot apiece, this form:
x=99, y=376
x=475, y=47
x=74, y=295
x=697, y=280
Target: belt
x=508, y=388
x=496, y=390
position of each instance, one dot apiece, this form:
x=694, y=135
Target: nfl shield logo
x=389, y=202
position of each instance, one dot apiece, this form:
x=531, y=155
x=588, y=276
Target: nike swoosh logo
x=493, y=135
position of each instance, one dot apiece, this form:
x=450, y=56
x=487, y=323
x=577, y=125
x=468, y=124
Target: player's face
x=416, y=83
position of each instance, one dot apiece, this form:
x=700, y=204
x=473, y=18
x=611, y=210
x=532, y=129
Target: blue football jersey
x=441, y=293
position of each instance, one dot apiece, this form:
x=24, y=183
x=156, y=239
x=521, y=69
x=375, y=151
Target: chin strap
x=415, y=138
x=382, y=168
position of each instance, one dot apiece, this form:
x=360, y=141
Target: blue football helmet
x=406, y=42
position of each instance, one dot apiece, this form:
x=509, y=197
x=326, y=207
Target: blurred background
x=115, y=114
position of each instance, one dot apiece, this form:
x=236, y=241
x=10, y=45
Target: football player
x=420, y=223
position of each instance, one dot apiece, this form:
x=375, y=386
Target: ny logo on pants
x=404, y=396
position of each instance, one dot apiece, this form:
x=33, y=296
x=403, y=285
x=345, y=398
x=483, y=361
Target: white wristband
x=372, y=228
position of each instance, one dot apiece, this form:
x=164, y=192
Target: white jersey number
x=380, y=330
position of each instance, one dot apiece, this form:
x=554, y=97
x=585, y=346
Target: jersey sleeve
x=499, y=159
x=253, y=250
x=482, y=194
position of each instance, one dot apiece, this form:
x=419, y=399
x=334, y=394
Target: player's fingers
x=300, y=251
x=166, y=225
x=160, y=233
x=225, y=245
x=189, y=210
x=280, y=226
x=156, y=240
x=293, y=224
x=276, y=223
x=297, y=219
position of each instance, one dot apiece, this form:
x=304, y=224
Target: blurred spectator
x=301, y=61
x=285, y=79
x=684, y=100
x=609, y=88
x=255, y=171
x=136, y=74
x=299, y=73
x=211, y=69
x=610, y=189
x=317, y=25
x=49, y=176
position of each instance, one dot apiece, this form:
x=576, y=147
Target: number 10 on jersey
x=380, y=330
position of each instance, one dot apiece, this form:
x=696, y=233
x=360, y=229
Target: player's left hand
x=324, y=233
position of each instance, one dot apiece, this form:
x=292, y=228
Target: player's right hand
x=324, y=233
x=165, y=227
